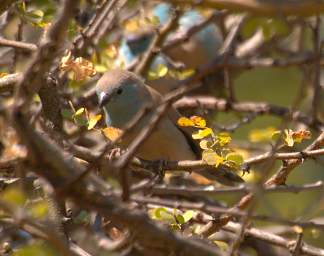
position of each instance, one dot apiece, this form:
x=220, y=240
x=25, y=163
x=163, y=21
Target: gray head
x=121, y=94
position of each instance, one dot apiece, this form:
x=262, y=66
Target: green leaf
x=235, y=157
x=188, y=215
x=212, y=158
x=36, y=248
x=162, y=214
x=223, y=138
x=221, y=244
x=14, y=195
x=67, y=113
x=39, y=209
x=180, y=219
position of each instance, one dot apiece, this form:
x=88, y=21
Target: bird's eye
x=119, y=91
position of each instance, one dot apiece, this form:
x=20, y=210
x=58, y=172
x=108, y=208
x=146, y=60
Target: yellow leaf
x=131, y=25
x=184, y=121
x=80, y=67
x=162, y=70
x=212, y=158
x=112, y=133
x=79, y=111
x=39, y=209
x=204, y=144
x=13, y=195
x=202, y=134
x=224, y=138
x=198, y=121
x=112, y=51
x=288, y=137
x=221, y=244
x=299, y=136
x=93, y=121
x=3, y=74
x=258, y=135
x=298, y=229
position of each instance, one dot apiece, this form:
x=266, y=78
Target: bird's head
x=121, y=94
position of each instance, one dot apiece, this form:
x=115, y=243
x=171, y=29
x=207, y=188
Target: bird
x=201, y=48
x=122, y=94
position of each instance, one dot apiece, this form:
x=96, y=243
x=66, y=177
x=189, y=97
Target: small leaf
x=180, y=219
x=67, y=113
x=184, y=121
x=212, y=158
x=299, y=136
x=221, y=244
x=198, y=121
x=276, y=135
x=93, y=121
x=162, y=70
x=39, y=209
x=298, y=229
x=204, y=144
x=80, y=67
x=112, y=51
x=14, y=195
x=188, y=215
x=288, y=137
x=79, y=111
x=223, y=138
x=258, y=135
x=112, y=133
x=131, y=25
x=202, y=134
x=236, y=158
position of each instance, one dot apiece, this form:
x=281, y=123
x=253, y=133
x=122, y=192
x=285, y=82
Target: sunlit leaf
x=202, y=134
x=80, y=67
x=222, y=245
x=212, y=158
x=180, y=219
x=259, y=135
x=298, y=229
x=198, y=121
x=184, y=121
x=181, y=75
x=93, y=121
x=288, y=138
x=13, y=195
x=131, y=25
x=301, y=135
x=39, y=209
x=79, y=111
x=223, y=138
x=235, y=157
x=3, y=74
x=188, y=215
x=204, y=144
x=112, y=133
x=112, y=51
x=36, y=248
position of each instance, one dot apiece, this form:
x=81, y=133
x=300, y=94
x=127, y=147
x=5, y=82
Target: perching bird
x=201, y=48
x=122, y=95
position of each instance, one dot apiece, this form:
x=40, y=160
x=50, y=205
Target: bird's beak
x=103, y=99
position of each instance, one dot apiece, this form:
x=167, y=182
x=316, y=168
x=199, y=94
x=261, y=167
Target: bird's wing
x=174, y=115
